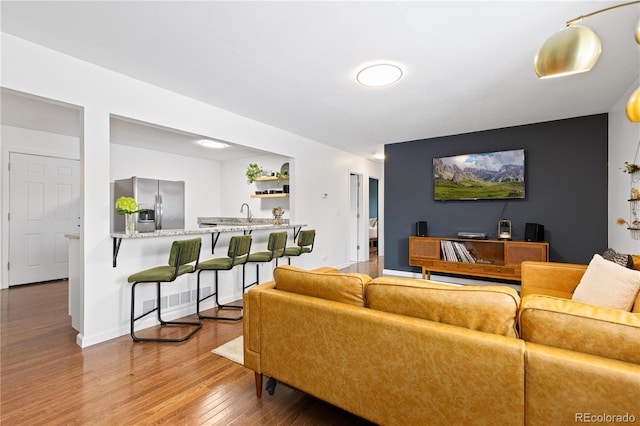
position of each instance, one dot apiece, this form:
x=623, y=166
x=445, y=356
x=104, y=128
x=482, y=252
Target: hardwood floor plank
x=47, y=379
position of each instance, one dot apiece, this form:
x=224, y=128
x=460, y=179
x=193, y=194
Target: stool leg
x=215, y=287
x=221, y=306
x=257, y=273
x=198, y=299
x=133, y=310
x=158, y=298
x=257, y=281
x=197, y=325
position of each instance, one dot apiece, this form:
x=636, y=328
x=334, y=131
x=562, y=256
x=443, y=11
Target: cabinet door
x=425, y=248
x=518, y=252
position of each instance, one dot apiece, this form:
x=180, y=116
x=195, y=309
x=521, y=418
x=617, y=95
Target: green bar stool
x=238, y=253
x=183, y=259
x=275, y=246
x=306, y=239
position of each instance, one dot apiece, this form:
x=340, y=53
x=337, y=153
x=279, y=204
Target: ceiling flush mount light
x=576, y=49
x=208, y=143
x=379, y=75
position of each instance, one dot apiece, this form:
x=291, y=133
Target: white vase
x=635, y=184
x=129, y=225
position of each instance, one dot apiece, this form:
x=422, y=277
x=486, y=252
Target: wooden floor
x=373, y=267
x=47, y=379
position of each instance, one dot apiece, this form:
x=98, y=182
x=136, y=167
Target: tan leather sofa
x=581, y=360
x=411, y=352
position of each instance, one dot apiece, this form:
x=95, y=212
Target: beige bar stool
x=183, y=259
x=238, y=253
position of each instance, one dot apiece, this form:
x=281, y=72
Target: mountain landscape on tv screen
x=496, y=175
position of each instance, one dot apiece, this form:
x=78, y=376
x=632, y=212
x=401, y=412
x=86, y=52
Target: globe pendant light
x=576, y=49
x=633, y=104
x=572, y=50
x=633, y=107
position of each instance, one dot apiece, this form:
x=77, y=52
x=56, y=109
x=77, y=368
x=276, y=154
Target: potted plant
x=280, y=176
x=630, y=167
x=253, y=171
x=127, y=206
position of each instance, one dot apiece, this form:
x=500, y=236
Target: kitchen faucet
x=248, y=211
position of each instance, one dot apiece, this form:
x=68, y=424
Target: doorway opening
x=373, y=218
x=41, y=140
x=355, y=218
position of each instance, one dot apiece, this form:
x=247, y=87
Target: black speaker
x=421, y=229
x=534, y=232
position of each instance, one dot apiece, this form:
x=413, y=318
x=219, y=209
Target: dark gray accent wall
x=566, y=188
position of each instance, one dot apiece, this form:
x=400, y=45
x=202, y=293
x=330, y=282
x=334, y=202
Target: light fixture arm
x=580, y=18
x=575, y=49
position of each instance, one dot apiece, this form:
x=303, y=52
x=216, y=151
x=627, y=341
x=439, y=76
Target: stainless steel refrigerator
x=162, y=202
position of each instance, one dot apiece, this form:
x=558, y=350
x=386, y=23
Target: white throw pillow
x=608, y=284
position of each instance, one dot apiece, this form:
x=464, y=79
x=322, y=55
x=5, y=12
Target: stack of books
x=455, y=251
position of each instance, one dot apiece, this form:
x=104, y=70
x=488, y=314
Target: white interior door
x=44, y=205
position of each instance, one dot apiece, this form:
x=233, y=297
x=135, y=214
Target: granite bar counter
x=209, y=225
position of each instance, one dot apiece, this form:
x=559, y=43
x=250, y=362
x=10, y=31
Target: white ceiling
x=468, y=65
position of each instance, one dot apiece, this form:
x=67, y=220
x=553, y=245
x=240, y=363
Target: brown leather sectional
x=411, y=352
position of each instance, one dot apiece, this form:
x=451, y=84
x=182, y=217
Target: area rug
x=233, y=350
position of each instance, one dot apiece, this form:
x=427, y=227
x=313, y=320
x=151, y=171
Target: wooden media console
x=481, y=258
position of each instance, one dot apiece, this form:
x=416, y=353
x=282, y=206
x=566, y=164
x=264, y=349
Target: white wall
x=30, y=141
x=201, y=177
x=624, y=143
x=318, y=168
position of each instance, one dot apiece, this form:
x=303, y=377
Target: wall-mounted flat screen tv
x=486, y=176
